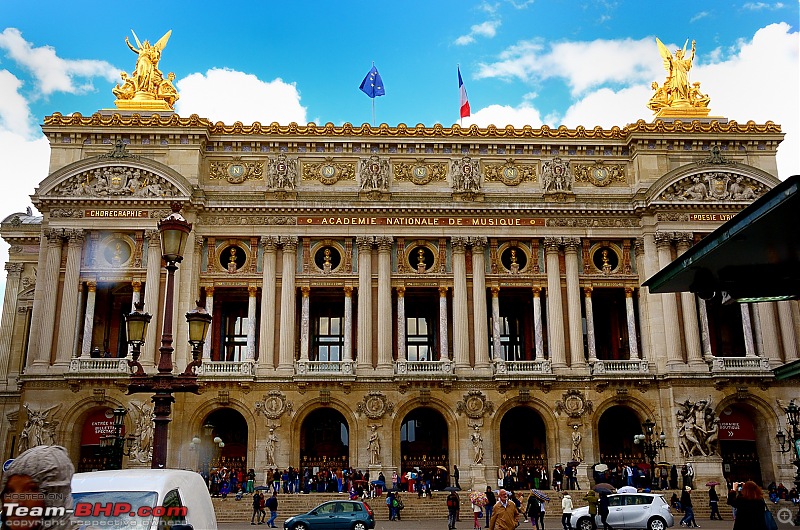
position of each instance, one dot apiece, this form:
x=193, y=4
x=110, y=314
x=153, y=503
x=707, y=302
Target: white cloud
x=246, y=98
x=486, y=29
x=52, y=73
x=502, y=115
x=14, y=111
x=698, y=16
x=757, y=6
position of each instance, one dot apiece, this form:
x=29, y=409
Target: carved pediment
x=116, y=181
x=713, y=186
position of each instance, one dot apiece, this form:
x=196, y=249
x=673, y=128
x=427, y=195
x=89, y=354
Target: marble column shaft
x=497, y=347
x=691, y=329
x=577, y=357
x=770, y=334
x=538, y=337
x=305, y=322
x=65, y=346
x=443, y=344
x=479, y=316
x=555, y=311
x=669, y=304
x=460, y=312
x=38, y=308
x=705, y=332
x=385, y=353
x=348, y=324
x=590, y=338
x=747, y=328
x=9, y=310
x=49, y=283
x=88, y=319
x=364, y=332
x=657, y=352
x=152, y=297
x=287, y=324
x=643, y=297
x=250, y=353
x=266, y=358
x=401, y=325
x=633, y=343
x=787, y=330
x=209, y=334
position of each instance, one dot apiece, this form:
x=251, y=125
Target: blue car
x=334, y=515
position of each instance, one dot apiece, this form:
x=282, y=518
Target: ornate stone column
x=590, y=338
x=691, y=330
x=250, y=354
x=305, y=321
x=364, y=333
x=266, y=347
x=670, y=305
x=747, y=327
x=633, y=344
x=555, y=311
x=538, y=338
x=49, y=284
x=385, y=356
x=14, y=271
x=38, y=308
x=577, y=358
x=210, y=308
x=348, y=324
x=152, y=298
x=770, y=335
x=460, y=313
x=287, y=335
x=88, y=319
x=643, y=297
x=787, y=330
x=69, y=298
x=705, y=333
x=401, y=325
x=479, y=317
x=443, y=344
x=497, y=347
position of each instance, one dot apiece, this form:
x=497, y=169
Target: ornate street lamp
x=199, y=320
x=793, y=438
x=651, y=443
x=136, y=330
x=174, y=231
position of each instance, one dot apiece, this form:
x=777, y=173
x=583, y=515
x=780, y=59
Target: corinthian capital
x=459, y=243
x=551, y=244
x=684, y=239
x=289, y=243
x=153, y=238
x=663, y=239
x=478, y=243
x=365, y=243
x=571, y=244
x=384, y=243
x=270, y=243
x=76, y=236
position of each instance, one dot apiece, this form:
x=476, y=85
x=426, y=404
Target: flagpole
x=373, y=100
x=460, y=118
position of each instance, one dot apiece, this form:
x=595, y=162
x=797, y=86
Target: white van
x=142, y=499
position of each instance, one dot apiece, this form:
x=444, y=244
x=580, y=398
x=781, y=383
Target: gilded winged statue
x=677, y=92
x=147, y=88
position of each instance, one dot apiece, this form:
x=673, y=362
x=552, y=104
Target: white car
x=629, y=510
x=142, y=499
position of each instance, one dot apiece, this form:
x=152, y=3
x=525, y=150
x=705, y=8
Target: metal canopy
x=753, y=257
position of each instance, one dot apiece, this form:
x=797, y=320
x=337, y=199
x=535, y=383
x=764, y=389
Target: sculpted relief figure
x=477, y=445
x=147, y=86
x=374, y=446
x=142, y=447
x=39, y=428
x=698, y=428
x=677, y=91
x=557, y=177
x=272, y=445
x=281, y=172
x=374, y=174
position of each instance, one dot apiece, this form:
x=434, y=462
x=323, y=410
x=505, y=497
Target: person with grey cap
x=38, y=478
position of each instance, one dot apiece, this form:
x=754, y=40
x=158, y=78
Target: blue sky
x=523, y=62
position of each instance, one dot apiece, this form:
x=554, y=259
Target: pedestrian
x=452, y=510
x=505, y=515
x=732, y=495
x=602, y=509
x=390, y=505
x=541, y=514
x=591, y=501
x=251, y=480
x=455, y=476
x=39, y=478
x=566, y=512
x=713, y=502
x=490, y=502
x=688, y=509
x=477, y=514
x=532, y=511
x=272, y=504
x=750, y=507
x=256, y=517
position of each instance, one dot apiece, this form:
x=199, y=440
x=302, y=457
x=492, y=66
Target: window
x=234, y=335
x=174, y=515
x=419, y=339
x=329, y=338
x=512, y=340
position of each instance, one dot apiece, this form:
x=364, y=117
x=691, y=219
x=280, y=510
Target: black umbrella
x=261, y=488
x=604, y=487
x=452, y=488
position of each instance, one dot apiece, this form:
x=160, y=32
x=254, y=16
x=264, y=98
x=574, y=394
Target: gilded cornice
x=404, y=131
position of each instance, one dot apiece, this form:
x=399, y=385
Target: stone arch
x=69, y=430
x=640, y=410
x=453, y=429
x=302, y=412
x=660, y=190
x=551, y=428
x=196, y=419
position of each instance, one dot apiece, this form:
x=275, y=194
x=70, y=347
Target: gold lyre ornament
x=147, y=88
x=677, y=97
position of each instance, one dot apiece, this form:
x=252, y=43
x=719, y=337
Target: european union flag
x=372, y=85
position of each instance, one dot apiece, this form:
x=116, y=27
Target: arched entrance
x=93, y=457
x=423, y=445
x=523, y=444
x=324, y=440
x=229, y=427
x=738, y=445
x=616, y=429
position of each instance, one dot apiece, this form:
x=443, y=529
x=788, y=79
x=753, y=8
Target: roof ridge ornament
x=147, y=88
x=119, y=152
x=677, y=97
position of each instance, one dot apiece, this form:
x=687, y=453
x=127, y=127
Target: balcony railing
x=227, y=369
x=629, y=366
x=102, y=366
x=512, y=368
x=733, y=365
x=443, y=368
x=313, y=368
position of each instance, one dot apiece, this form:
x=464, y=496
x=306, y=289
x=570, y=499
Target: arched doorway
x=93, y=457
x=738, y=445
x=423, y=445
x=616, y=428
x=324, y=440
x=523, y=444
x=229, y=428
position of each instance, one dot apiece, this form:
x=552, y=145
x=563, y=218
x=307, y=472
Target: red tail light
x=369, y=510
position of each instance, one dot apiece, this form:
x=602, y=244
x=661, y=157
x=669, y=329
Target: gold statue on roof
x=147, y=88
x=677, y=97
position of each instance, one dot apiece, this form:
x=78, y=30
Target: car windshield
x=95, y=501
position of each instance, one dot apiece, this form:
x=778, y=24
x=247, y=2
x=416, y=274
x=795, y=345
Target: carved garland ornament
x=599, y=174
x=375, y=406
x=420, y=172
x=573, y=404
x=273, y=405
x=475, y=405
x=329, y=172
x=510, y=173
x=235, y=171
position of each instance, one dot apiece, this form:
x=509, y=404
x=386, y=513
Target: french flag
x=463, y=93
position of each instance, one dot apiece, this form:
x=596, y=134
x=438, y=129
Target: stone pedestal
x=477, y=477
x=584, y=474
x=706, y=469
